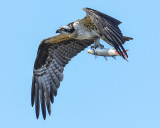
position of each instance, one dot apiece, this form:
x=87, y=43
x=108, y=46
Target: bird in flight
x=55, y=52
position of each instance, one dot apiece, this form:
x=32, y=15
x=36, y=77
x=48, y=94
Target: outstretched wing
x=52, y=56
x=108, y=29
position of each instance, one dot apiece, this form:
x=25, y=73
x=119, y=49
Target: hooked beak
x=58, y=31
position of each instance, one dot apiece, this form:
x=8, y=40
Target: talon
x=97, y=46
x=101, y=46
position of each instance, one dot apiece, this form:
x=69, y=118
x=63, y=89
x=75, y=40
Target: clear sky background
x=94, y=93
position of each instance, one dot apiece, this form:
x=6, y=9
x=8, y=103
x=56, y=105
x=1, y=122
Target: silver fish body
x=105, y=52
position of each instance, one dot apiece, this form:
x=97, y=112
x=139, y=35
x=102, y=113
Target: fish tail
x=123, y=54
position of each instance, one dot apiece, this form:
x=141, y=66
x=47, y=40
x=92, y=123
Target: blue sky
x=94, y=93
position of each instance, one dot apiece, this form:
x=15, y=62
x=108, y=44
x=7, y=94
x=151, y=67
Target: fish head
x=91, y=51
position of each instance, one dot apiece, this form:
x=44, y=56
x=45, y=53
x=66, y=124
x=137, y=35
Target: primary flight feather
x=55, y=52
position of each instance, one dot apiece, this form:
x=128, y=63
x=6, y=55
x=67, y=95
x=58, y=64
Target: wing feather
x=33, y=91
x=42, y=98
x=51, y=59
x=37, y=106
x=108, y=29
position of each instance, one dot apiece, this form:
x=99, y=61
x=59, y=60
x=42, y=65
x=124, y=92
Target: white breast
x=83, y=33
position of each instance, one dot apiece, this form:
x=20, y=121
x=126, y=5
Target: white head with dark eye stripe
x=66, y=29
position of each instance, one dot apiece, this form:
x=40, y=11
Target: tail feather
x=125, y=38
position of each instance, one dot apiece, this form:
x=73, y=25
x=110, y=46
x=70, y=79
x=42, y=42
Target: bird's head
x=68, y=29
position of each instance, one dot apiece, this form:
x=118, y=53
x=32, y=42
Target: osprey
x=55, y=52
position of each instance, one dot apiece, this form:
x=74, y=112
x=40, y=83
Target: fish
x=105, y=52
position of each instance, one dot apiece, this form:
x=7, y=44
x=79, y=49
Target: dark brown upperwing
x=108, y=29
x=51, y=59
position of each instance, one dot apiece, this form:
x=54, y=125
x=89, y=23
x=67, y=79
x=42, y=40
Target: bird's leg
x=97, y=44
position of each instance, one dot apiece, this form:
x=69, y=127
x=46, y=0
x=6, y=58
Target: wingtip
x=32, y=101
x=52, y=98
x=49, y=111
x=124, y=54
x=32, y=104
x=44, y=117
x=37, y=116
x=49, y=107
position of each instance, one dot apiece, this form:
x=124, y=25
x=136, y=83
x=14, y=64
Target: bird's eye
x=62, y=29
